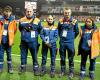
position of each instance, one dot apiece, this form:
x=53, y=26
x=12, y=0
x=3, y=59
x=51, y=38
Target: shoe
x=22, y=70
x=36, y=73
x=70, y=75
x=82, y=76
x=52, y=74
x=43, y=70
x=10, y=71
x=61, y=74
x=10, y=67
x=42, y=73
x=91, y=75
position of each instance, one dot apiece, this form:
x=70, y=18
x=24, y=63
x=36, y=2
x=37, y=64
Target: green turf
x=29, y=74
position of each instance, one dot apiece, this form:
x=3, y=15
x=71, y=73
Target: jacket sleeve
x=15, y=26
x=39, y=27
x=56, y=34
x=59, y=28
x=76, y=29
x=20, y=27
x=42, y=35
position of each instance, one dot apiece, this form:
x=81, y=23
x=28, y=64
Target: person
x=68, y=31
x=88, y=46
x=7, y=32
x=49, y=34
x=29, y=27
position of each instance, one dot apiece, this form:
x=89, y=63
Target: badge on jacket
x=5, y=32
x=32, y=34
x=64, y=34
x=47, y=39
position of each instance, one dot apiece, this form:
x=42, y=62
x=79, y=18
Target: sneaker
x=61, y=74
x=10, y=71
x=22, y=70
x=43, y=73
x=43, y=70
x=70, y=75
x=36, y=73
x=82, y=76
x=52, y=74
x=91, y=75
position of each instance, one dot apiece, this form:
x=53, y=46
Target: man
x=49, y=34
x=68, y=31
x=29, y=28
x=7, y=32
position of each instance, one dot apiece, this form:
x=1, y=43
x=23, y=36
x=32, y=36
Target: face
x=50, y=19
x=29, y=12
x=7, y=13
x=88, y=22
x=67, y=13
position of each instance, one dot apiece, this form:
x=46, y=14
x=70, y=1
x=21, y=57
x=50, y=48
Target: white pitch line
x=78, y=61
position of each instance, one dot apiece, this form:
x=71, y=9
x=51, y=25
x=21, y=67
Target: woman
x=88, y=46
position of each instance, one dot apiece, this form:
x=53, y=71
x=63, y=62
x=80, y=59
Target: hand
x=74, y=21
x=48, y=45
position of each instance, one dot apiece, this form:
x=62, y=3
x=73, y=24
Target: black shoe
x=70, y=75
x=36, y=73
x=10, y=71
x=42, y=73
x=22, y=70
x=52, y=74
x=91, y=75
x=61, y=74
x=43, y=70
x=91, y=78
x=82, y=76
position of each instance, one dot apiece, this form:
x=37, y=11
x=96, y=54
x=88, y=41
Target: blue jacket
x=32, y=35
x=86, y=35
x=49, y=33
x=68, y=30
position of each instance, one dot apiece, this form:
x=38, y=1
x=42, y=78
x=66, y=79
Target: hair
x=91, y=20
x=50, y=16
x=8, y=8
x=66, y=8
